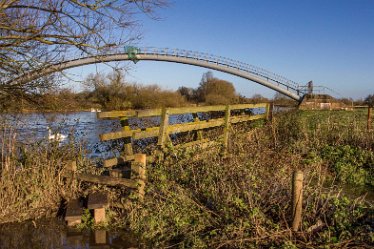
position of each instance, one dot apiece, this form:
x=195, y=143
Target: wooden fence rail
x=165, y=129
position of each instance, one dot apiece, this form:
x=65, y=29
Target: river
x=53, y=234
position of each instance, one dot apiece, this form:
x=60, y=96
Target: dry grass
x=31, y=181
x=197, y=199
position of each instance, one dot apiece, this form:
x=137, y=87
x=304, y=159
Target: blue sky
x=330, y=42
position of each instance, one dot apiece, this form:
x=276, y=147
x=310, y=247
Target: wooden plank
x=115, y=135
x=116, y=161
x=127, y=147
x=247, y=106
x=135, y=134
x=99, y=215
x=184, y=110
x=173, y=111
x=129, y=114
x=149, y=132
x=199, y=133
x=97, y=200
x=369, y=118
x=115, y=114
x=74, y=212
x=269, y=112
x=139, y=169
x=195, y=125
x=162, y=135
x=116, y=173
x=108, y=163
x=105, y=180
x=226, y=131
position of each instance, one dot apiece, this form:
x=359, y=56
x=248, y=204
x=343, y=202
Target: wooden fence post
x=199, y=133
x=369, y=118
x=139, y=168
x=163, y=134
x=269, y=112
x=127, y=141
x=297, y=199
x=226, y=131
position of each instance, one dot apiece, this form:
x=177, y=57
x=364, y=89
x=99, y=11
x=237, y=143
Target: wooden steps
x=74, y=212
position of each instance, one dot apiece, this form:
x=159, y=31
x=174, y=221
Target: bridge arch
x=243, y=70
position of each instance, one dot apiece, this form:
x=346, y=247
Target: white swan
x=58, y=137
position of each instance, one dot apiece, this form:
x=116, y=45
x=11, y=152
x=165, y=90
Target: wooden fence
x=232, y=114
x=162, y=132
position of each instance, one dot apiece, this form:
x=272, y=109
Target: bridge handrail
x=219, y=60
x=268, y=78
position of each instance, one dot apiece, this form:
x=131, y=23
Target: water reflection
x=53, y=234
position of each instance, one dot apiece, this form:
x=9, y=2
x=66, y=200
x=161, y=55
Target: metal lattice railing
x=219, y=60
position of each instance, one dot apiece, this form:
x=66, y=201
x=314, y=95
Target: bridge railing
x=219, y=60
x=262, y=73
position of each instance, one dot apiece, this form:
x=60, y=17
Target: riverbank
x=199, y=199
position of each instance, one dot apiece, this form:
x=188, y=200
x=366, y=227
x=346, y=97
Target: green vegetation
x=197, y=199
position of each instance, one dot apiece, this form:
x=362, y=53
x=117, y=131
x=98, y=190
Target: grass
x=197, y=199
x=31, y=182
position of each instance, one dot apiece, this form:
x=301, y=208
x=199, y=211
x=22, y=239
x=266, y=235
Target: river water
x=53, y=234
x=79, y=128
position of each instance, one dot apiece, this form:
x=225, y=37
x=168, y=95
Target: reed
x=30, y=176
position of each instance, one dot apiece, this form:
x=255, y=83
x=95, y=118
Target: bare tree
x=36, y=33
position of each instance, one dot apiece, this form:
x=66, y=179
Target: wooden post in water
x=98, y=201
x=369, y=118
x=163, y=135
x=226, y=131
x=127, y=141
x=297, y=199
x=139, y=169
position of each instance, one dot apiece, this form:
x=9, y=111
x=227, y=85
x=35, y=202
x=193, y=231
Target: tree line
x=112, y=92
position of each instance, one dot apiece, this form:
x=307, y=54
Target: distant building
x=322, y=102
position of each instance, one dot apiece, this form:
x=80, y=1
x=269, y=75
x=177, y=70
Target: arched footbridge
x=243, y=70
